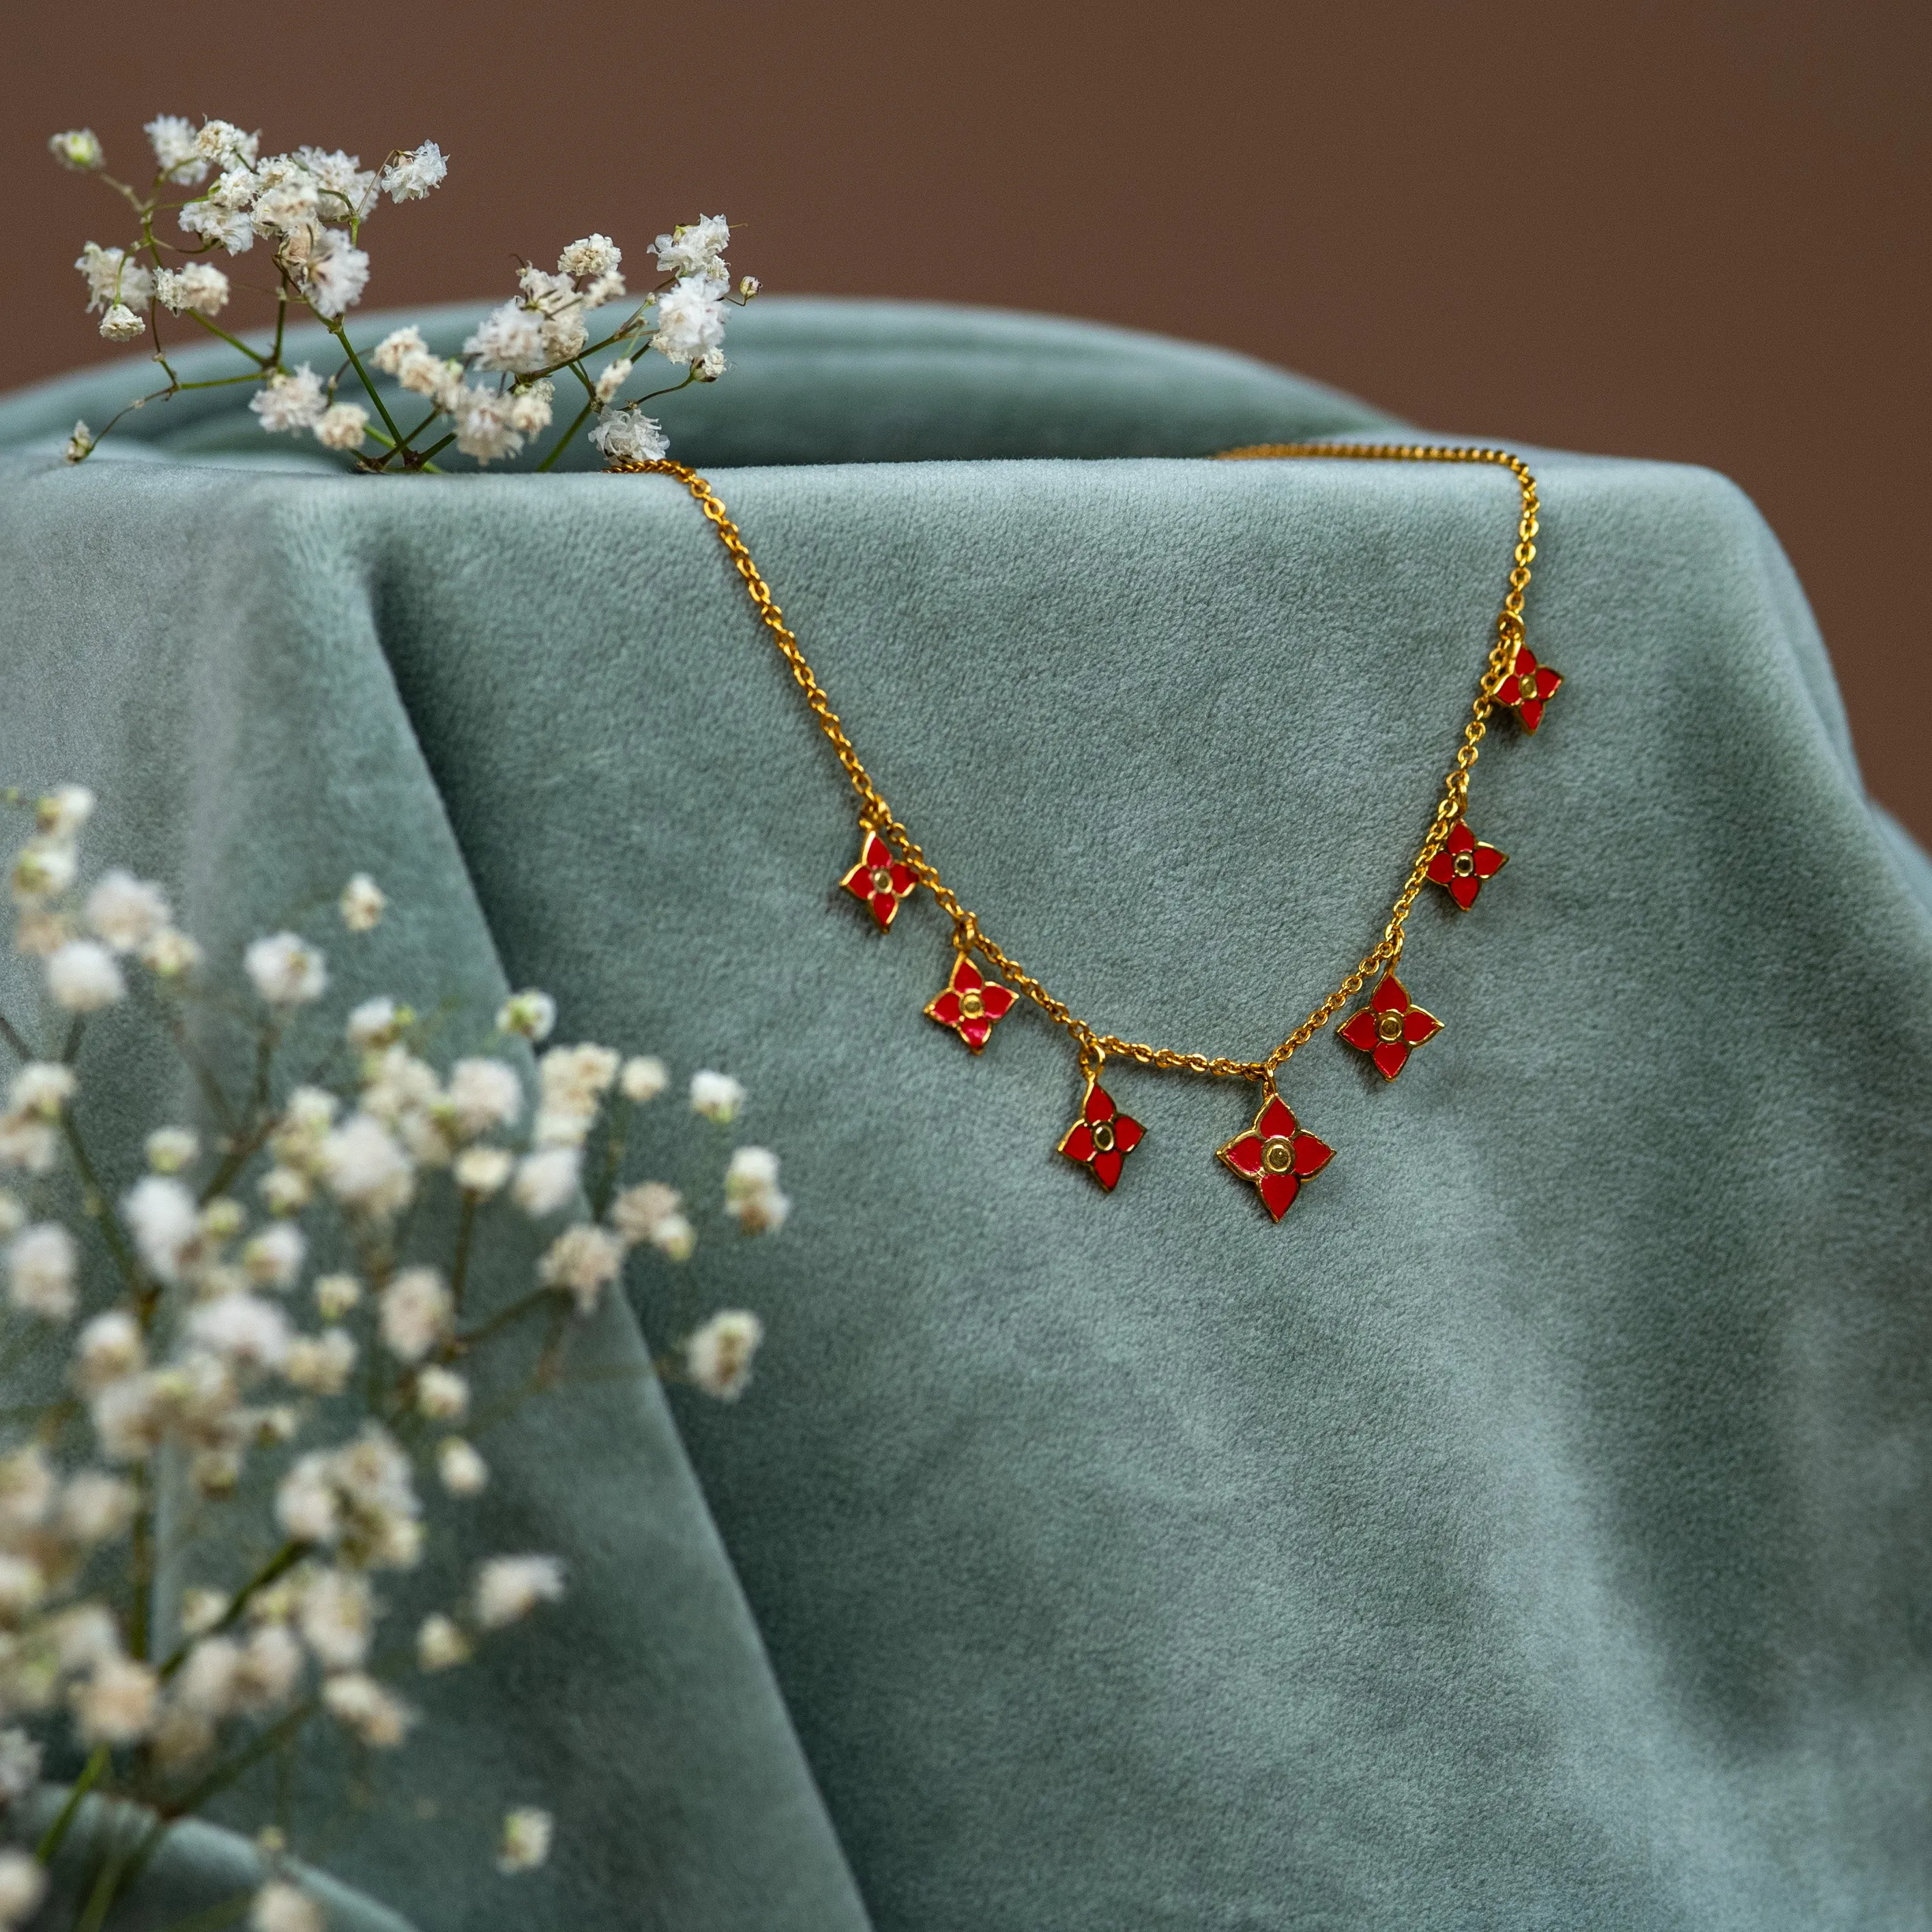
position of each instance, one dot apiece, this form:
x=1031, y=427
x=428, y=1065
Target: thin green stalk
x=569, y=435
x=284, y=1559
x=265, y=1743
x=52, y=1837
x=110, y=1228
x=141, y=1567
x=341, y=335
x=281, y=324
x=503, y=1318
x=459, y=1266
x=260, y=361
x=11, y=1034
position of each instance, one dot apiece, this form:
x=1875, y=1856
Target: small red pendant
x=1528, y=688
x=879, y=881
x=971, y=1004
x=1464, y=863
x=1102, y=1137
x=1390, y=1027
x=1276, y=1156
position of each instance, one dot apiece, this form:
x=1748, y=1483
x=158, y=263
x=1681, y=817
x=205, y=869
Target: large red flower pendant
x=1276, y=1156
x=1102, y=1137
x=971, y=1004
x=879, y=881
x=1463, y=863
x=1390, y=1027
x=1528, y=688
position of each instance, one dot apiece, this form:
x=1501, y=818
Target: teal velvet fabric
x=1531, y=1531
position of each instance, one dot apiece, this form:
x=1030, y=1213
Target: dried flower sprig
x=309, y=207
x=190, y=1354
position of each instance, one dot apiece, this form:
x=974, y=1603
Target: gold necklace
x=1274, y=1153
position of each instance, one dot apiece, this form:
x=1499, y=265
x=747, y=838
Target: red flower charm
x=1276, y=1156
x=1390, y=1027
x=969, y=1006
x=1528, y=688
x=879, y=880
x=1102, y=1137
x=1464, y=863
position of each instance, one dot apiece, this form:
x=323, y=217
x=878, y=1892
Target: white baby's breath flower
x=530, y=405
x=482, y=1171
x=374, y=1024
x=611, y=379
x=336, y=1294
x=409, y=177
x=285, y=1190
x=530, y=1015
x=362, y=900
x=80, y=445
x=205, y=1682
x=320, y=1363
x=23, y=1878
x=95, y=1508
x=338, y=273
x=41, y=1090
x=342, y=178
x=202, y=1609
x=461, y=1471
x=242, y=1329
x=710, y=365
x=389, y=354
x=279, y=1907
x=63, y=813
x=171, y=1149
x=440, y=1643
x=272, y=1666
x=115, y=279
x=376, y=1716
x=198, y=287
x=13, y=1214
x=483, y=1094
x=751, y=1194
x=674, y=1237
x=695, y=248
x=365, y=1169
x=223, y=1218
x=643, y=1078
x=341, y=426
x=716, y=1096
x=691, y=322
x=509, y=1588
x=287, y=971
x=291, y=402
x=176, y=153
x=162, y=1215
x=30, y=1144
x=215, y=219
x=718, y=1356
x=170, y=954
x=509, y=337
x=115, y=1706
x=41, y=1263
x=582, y=1262
x=44, y=868
x=442, y=1395
x=415, y=1313
x=336, y=1618
x=423, y=374
x=525, y=1842
x=628, y=435
x=547, y=1181
x=223, y=142
x=274, y=1258
x=594, y=255
x=79, y=148
x=27, y=1490
x=107, y=1349
x=23, y=1583
x=307, y=1505
x=20, y=1766
x=485, y=426
x=83, y=977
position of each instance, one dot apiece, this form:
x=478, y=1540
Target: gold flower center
x=972, y=1006
x=1278, y=1156
x=882, y=879
x=1388, y=1026
x=1465, y=866
x=1103, y=1139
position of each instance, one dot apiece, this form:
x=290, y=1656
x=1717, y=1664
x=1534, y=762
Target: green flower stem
x=563, y=441
x=234, y=342
x=110, y=1228
x=337, y=329
x=503, y=1318
x=459, y=1266
x=281, y=323
x=51, y=1839
x=11, y=1034
x=284, y=1560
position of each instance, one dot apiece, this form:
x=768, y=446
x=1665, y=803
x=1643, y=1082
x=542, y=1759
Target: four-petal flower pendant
x=1102, y=1137
x=1464, y=863
x=1276, y=1156
x=1528, y=688
x=971, y=1004
x=879, y=881
x=1390, y=1027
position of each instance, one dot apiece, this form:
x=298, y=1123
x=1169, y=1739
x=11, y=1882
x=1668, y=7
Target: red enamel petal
x=1100, y=1104
x=1531, y=711
x=998, y=1001
x=1442, y=868
x=858, y=882
x=1525, y=662
x=1106, y=1167
x=1244, y=1154
x=1359, y=1030
x=1127, y=1132
x=966, y=975
x=903, y=880
x=1546, y=681
x=877, y=852
x=1460, y=838
x=1275, y=1120
x=974, y=1033
x=1489, y=862
x=1078, y=1144
x=1311, y=1155
x=1278, y=1191
x=1511, y=691
x=1390, y=996
x=1417, y=1026
x=1389, y=1056
x=883, y=907
x=1464, y=891
x=945, y=1009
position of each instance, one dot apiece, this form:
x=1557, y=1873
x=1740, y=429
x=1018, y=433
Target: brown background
x=1690, y=231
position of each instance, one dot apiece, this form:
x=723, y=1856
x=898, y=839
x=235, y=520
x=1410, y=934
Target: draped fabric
x=1529, y=1531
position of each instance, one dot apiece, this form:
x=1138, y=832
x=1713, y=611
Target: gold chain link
x=968, y=935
